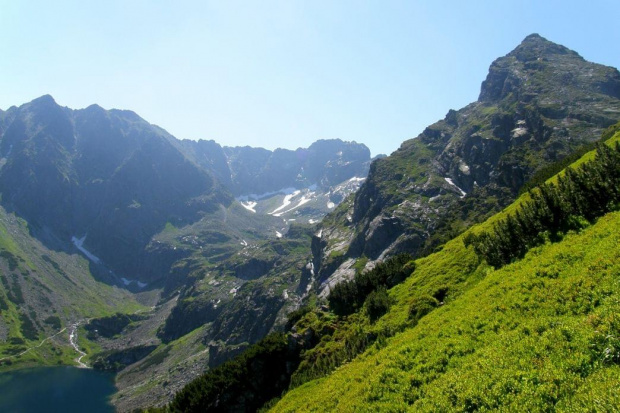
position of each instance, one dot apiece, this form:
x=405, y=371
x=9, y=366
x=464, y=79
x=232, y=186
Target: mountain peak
x=44, y=100
x=535, y=58
x=535, y=47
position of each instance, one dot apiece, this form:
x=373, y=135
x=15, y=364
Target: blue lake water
x=56, y=389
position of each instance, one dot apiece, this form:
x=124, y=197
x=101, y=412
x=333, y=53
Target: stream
x=73, y=336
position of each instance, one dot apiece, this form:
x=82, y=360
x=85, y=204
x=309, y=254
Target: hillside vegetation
x=539, y=333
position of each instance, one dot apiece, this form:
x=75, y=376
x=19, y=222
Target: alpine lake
x=56, y=389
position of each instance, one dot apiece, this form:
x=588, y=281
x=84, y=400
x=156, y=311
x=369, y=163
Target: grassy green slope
x=536, y=334
x=42, y=292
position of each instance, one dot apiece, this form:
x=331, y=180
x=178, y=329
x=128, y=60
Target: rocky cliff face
x=246, y=170
x=537, y=104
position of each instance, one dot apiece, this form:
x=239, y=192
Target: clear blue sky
x=281, y=73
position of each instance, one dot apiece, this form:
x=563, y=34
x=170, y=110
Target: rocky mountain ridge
x=227, y=236
x=111, y=181
x=214, y=240
x=538, y=104
x=247, y=170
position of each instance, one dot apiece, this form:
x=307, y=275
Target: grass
x=502, y=344
x=538, y=334
x=47, y=285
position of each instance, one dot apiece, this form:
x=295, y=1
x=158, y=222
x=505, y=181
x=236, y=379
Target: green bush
x=377, y=303
x=244, y=383
x=580, y=196
x=420, y=306
x=53, y=321
x=348, y=296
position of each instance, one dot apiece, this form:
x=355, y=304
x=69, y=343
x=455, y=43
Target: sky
x=281, y=73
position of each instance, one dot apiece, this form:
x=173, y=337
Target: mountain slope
x=539, y=333
x=108, y=176
x=502, y=344
x=246, y=170
x=110, y=181
x=545, y=321
x=157, y=216
x=44, y=293
x=538, y=104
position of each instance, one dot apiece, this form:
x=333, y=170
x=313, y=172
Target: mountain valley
x=173, y=260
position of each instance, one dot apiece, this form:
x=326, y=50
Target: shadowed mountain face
x=106, y=175
x=158, y=216
x=537, y=105
x=115, y=179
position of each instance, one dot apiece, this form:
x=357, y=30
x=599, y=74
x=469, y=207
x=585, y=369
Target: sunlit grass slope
x=539, y=333
x=542, y=333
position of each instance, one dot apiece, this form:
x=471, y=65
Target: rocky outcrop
x=538, y=104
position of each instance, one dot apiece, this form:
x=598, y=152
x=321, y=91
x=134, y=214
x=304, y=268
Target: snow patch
x=79, y=242
x=357, y=179
x=258, y=197
x=463, y=167
x=448, y=180
x=286, y=202
x=128, y=282
x=249, y=205
x=330, y=205
x=518, y=132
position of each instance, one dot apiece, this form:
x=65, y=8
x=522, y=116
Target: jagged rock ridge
x=537, y=104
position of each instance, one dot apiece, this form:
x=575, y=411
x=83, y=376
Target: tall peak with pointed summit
x=535, y=47
x=538, y=66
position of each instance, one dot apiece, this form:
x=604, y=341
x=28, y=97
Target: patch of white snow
x=249, y=205
x=79, y=244
x=127, y=282
x=448, y=180
x=286, y=202
x=301, y=202
x=258, y=197
x=357, y=179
